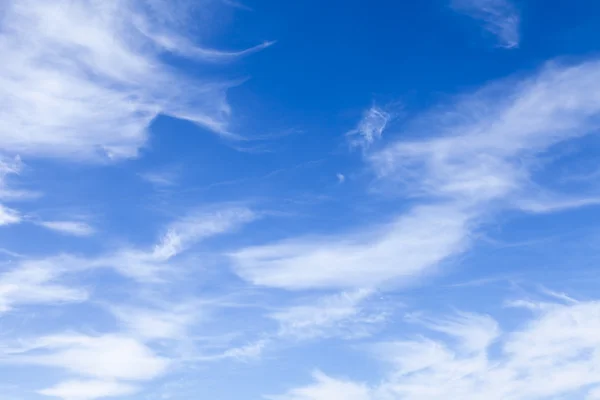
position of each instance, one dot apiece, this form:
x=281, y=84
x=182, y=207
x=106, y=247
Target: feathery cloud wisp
x=420, y=239
x=87, y=78
x=73, y=228
x=370, y=128
x=558, y=341
x=149, y=264
x=499, y=17
x=108, y=363
x=39, y=282
x=346, y=314
x=479, y=160
x=88, y=390
x=9, y=216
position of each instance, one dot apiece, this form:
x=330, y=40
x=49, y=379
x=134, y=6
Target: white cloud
x=162, y=178
x=499, y=17
x=88, y=390
x=370, y=128
x=74, y=228
x=170, y=321
x=400, y=251
x=554, y=203
x=480, y=159
x=347, y=314
x=246, y=352
x=39, y=282
x=474, y=332
x=487, y=143
x=243, y=353
x=9, y=216
x=236, y=4
x=108, y=357
x=85, y=79
x=200, y=225
x=326, y=388
x=10, y=167
x=151, y=264
x=108, y=364
x=559, y=341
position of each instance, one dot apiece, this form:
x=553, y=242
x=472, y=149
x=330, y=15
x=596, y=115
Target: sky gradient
x=299, y=200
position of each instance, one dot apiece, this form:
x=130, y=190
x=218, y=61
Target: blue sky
x=313, y=200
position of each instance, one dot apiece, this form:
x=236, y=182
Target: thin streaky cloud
x=421, y=238
x=88, y=389
x=162, y=178
x=499, y=17
x=95, y=359
x=472, y=159
x=198, y=225
x=9, y=216
x=40, y=282
x=164, y=322
x=556, y=340
x=10, y=167
x=262, y=263
x=344, y=315
x=44, y=281
x=95, y=80
x=237, y=4
x=73, y=228
x=155, y=263
x=555, y=204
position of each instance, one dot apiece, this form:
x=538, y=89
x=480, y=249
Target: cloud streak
x=395, y=252
x=347, y=314
x=88, y=390
x=156, y=263
x=480, y=159
x=73, y=228
x=87, y=78
x=40, y=282
x=499, y=17
x=110, y=364
x=556, y=341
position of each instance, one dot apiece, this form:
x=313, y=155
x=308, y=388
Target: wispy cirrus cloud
x=88, y=390
x=326, y=388
x=347, y=314
x=158, y=322
x=105, y=365
x=152, y=263
x=10, y=167
x=370, y=128
x=161, y=178
x=198, y=225
x=365, y=258
x=154, y=327
x=474, y=158
x=237, y=4
x=9, y=216
x=73, y=228
x=40, y=282
x=557, y=340
x=87, y=78
x=499, y=17
x=44, y=280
